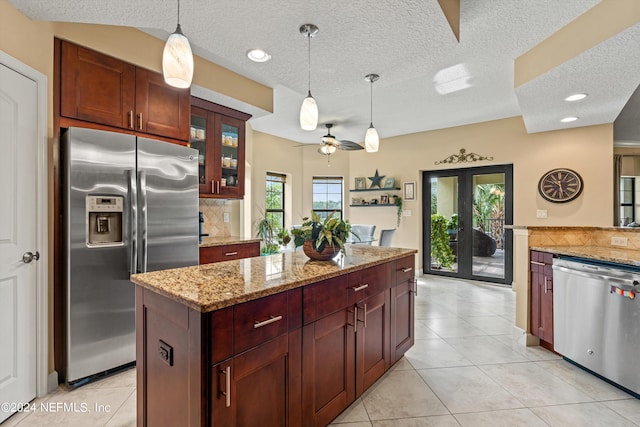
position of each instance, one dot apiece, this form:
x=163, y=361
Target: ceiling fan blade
x=349, y=145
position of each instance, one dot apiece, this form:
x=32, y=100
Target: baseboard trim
x=52, y=381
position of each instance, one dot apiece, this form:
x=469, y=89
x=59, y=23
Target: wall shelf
x=376, y=205
x=374, y=189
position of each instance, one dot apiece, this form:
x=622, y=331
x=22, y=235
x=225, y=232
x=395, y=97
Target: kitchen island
x=280, y=339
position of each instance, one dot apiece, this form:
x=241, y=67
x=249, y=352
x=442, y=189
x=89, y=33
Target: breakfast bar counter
x=280, y=338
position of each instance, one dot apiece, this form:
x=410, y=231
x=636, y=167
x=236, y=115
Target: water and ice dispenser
x=104, y=220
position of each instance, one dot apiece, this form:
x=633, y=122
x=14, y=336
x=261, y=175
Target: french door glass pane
x=444, y=223
x=488, y=225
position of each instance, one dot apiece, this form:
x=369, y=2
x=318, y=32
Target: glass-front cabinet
x=220, y=141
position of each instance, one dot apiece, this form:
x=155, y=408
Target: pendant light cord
x=371, y=110
x=309, y=55
x=178, y=12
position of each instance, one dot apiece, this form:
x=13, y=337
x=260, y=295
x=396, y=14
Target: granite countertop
x=617, y=255
x=211, y=287
x=228, y=240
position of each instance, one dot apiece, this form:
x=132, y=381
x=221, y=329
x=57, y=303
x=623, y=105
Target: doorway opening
x=466, y=211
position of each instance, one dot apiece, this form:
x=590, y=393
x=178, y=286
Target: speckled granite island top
x=617, y=255
x=208, y=242
x=211, y=287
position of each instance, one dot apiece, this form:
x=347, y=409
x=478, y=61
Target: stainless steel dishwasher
x=597, y=318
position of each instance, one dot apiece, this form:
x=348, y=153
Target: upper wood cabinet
x=218, y=133
x=101, y=89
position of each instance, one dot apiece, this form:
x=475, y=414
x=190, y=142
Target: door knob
x=29, y=256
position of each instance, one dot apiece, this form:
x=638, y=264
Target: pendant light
x=371, y=138
x=177, y=59
x=309, y=109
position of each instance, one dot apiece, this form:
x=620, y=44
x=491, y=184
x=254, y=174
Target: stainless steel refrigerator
x=130, y=205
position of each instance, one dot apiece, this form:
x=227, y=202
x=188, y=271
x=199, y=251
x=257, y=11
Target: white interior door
x=18, y=161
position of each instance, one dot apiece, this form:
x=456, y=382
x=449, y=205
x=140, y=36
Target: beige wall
x=589, y=151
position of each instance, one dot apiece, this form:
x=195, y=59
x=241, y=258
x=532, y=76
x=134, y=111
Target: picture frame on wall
x=361, y=183
x=409, y=190
x=390, y=183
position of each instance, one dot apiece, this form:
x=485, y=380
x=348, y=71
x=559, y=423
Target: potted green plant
x=452, y=226
x=397, y=200
x=321, y=238
x=440, y=249
x=272, y=235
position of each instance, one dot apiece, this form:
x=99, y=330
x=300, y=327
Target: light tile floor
x=464, y=370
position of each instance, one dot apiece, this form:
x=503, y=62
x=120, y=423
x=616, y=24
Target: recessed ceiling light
x=258, y=55
x=576, y=97
x=569, y=119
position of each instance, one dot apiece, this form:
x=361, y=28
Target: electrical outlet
x=406, y=212
x=619, y=241
x=225, y=216
x=541, y=213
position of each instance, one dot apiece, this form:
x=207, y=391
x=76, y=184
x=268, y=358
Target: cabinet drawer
x=323, y=298
x=229, y=252
x=368, y=282
x=258, y=321
x=404, y=269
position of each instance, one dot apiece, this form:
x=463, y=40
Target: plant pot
x=327, y=253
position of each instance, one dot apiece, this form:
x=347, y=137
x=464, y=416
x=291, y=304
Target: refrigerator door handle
x=134, y=222
x=142, y=179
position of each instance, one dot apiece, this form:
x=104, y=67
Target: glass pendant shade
x=327, y=149
x=371, y=140
x=309, y=113
x=177, y=60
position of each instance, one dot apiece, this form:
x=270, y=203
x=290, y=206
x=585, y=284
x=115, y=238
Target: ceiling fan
x=330, y=144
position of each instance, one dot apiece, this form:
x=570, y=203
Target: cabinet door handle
x=131, y=122
x=365, y=315
x=545, y=284
x=415, y=287
x=270, y=320
x=231, y=253
x=359, y=288
x=537, y=263
x=406, y=270
x=140, y=121
x=355, y=319
x=227, y=386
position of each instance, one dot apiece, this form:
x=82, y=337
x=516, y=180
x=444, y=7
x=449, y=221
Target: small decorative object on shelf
x=390, y=183
x=376, y=180
x=384, y=199
x=361, y=183
x=321, y=239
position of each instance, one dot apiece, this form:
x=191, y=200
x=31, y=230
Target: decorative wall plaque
x=463, y=157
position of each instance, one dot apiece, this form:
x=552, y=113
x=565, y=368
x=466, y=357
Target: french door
x=466, y=211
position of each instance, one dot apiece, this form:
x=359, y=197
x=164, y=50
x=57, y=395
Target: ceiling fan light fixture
x=177, y=59
x=371, y=138
x=309, y=108
x=327, y=149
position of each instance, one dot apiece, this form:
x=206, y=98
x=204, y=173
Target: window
x=275, y=198
x=327, y=196
x=627, y=200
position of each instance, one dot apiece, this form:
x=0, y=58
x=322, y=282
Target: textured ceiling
x=406, y=42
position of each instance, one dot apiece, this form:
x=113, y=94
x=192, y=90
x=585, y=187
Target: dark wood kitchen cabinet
x=403, y=294
x=218, y=133
x=257, y=382
x=103, y=90
x=294, y=358
x=229, y=252
x=541, y=297
x=346, y=332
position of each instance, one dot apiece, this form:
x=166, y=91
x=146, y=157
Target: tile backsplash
x=582, y=236
x=213, y=210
